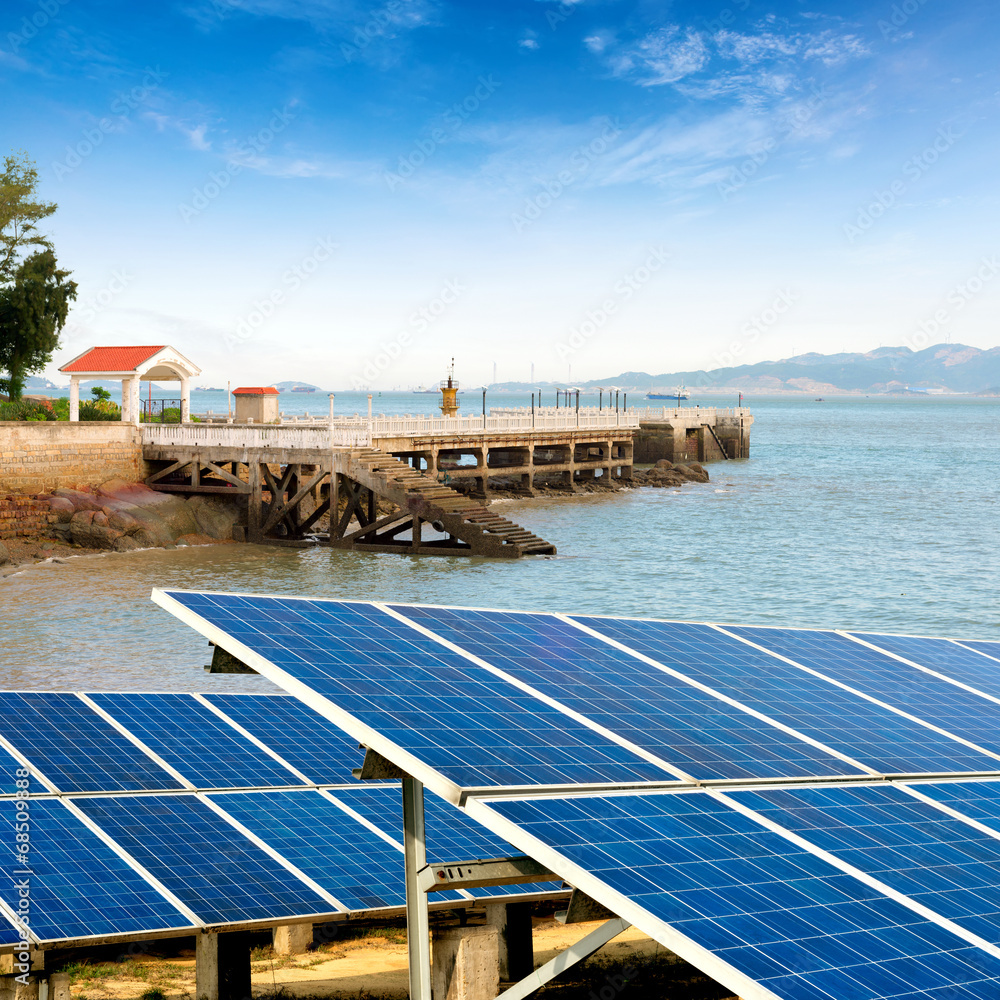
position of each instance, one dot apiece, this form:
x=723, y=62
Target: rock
x=78, y=498
x=126, y=543
x=664, y=463
x=215, y=516
x=87, y=530
x=4, y=554
x=62, y=508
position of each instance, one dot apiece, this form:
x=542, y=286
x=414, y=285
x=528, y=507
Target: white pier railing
x=360, y=431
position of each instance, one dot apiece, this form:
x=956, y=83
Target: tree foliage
x=34, y=293
x=33, y=310
x=20, y=213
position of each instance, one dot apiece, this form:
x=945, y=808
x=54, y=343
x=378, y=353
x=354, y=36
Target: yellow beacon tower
x=449, y=393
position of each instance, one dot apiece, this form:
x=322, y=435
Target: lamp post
x=484, y=407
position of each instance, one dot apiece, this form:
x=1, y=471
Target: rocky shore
x=116, y=516
x=120, y=516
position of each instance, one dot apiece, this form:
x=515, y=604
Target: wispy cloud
x=663, y=56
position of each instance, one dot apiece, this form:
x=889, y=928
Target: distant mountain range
x=943, y=368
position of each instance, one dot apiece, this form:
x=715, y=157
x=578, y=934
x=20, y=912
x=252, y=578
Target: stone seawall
x=36, y=456
x=25, y=517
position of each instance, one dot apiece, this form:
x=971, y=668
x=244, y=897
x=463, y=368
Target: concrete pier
x=692, y=434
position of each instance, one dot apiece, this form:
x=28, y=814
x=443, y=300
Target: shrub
x=99, y=409
x=25, y=409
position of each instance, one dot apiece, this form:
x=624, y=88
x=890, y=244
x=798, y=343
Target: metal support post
x=417, y=920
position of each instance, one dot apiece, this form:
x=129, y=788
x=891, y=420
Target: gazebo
x=132, y=365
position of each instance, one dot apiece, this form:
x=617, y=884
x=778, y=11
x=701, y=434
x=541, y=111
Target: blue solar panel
x=9, y=776
x=342, y=855
x=8, y=933
x=703, y=736
x=778, y=914
x=451, y=835
x=396, y=680
x=916, y=849
x=78, y=887
x=978, y=800
x=216, y=871
x=74, y=747
x=944, y=656
x=309, y=742
x=936, y=701
x=865, y=732
x=984, y=646
x=195, y=741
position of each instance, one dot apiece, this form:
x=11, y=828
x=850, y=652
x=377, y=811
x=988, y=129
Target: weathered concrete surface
x=292, y=939
x=465, y=963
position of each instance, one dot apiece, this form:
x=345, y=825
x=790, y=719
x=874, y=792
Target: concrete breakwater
x=116, y=516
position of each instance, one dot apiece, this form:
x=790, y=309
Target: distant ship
x=208, y=388
x=303, y=388
x=679, y=393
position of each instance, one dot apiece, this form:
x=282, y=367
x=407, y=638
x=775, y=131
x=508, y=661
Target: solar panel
x=195, y=741
x=451, y=835
x=689, y=728
x=8, y=933
x=961, y=713
x=915, y=848
x=342, y=855
x=309, y=742
x=78, y=886
x=74, y=747
x=858, y=728
x=202, y=859
x=987, y=648
x=979, y=800
x=744, y=903
x=950, y=658
x=367, y=665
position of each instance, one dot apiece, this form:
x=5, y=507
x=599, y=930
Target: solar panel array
x=160, y=813
x=802, y=814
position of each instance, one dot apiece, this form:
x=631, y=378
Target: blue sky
x=354, y=192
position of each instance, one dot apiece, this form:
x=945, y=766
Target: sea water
x=869, y=513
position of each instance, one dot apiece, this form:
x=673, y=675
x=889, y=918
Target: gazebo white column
x=126, y=399
x=185, y=400
x=74, y=397
x=136, y=399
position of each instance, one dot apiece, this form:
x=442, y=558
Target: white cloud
x=663, y=56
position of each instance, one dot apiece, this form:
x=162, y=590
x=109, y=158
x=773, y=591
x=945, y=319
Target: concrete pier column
x=292, y=939
x=465, y=963
x=185, y=400
x=126, y=399
x=515, y=951
x=222, y=966
x=59, y=986
x=74, y=397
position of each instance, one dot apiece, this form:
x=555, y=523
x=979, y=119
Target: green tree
x=34, y=293
x=33, y=310
x=20, y=213
x=100, y=393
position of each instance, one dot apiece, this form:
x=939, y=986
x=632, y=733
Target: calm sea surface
x=864, y=513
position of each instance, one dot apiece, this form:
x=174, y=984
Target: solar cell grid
x=308, y=741
x=342, y=855
x=195, y=741
x=946, y=657
x=858, y=728
x=777, y=913
x=929, y=698
x=221, y=875
x=691, y=729
x=941, y=862
x=392, y=678
x=8, y=933
x=79, y=887
x=74, y=747
x=979, y=800
x=984, y=646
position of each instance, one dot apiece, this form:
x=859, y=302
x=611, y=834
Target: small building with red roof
x=257, y=404
x=133, y=365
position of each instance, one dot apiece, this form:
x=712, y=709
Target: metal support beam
x=417, y=919
x=583, y=949
x=479, y=874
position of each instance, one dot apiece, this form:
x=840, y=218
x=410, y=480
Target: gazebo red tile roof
x=256, y=390
x=112, y=359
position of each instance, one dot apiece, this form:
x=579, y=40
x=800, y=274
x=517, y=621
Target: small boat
x=819, y=399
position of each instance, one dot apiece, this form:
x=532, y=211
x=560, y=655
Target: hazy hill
x=947, y=367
